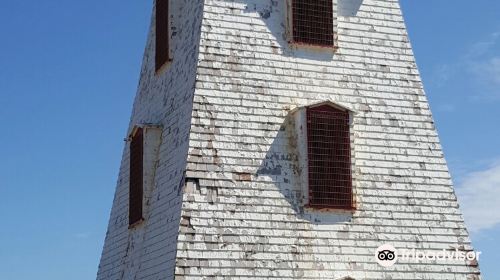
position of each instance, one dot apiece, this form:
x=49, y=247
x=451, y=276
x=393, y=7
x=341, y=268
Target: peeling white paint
x=225, y=104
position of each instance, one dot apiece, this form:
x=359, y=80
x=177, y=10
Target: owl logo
x=386, y=255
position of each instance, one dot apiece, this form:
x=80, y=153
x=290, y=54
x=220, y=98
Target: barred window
x=136, y=177
x=329, y=158
x=312, y=22
x=162, y=34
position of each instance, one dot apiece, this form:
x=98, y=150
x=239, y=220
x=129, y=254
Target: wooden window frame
x=301, y=35
x=136, y=177
x=162, y=35
x=330, y=182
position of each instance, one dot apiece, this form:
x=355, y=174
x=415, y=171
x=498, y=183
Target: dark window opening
x=329, y=156
x=136, y=178
x=312, y=22
x=162, y=34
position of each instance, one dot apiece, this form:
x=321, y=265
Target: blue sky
x=457, y=46
x=68, y=77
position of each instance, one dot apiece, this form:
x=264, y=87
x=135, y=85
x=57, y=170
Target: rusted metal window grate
x=136, y=177
x=329, y=155
x=162, y=34
x=312, y=22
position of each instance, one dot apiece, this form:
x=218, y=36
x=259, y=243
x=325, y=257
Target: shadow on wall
x=281, y=165
x=274, y=15
x=349, y=8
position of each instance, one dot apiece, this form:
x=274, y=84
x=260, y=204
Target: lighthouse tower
x=282, y=139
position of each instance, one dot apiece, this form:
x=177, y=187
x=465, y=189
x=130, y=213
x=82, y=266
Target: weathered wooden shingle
x=225, y=103
x=249, y=79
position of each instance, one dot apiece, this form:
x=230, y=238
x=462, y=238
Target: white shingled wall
x=148, y=251
x=241, y=216
x=243, y=219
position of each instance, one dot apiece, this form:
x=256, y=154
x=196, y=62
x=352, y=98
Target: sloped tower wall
x=229, y=106
x=148, y=251
x=244, y=219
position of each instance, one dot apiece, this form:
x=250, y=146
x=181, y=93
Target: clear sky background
x=68, y=75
